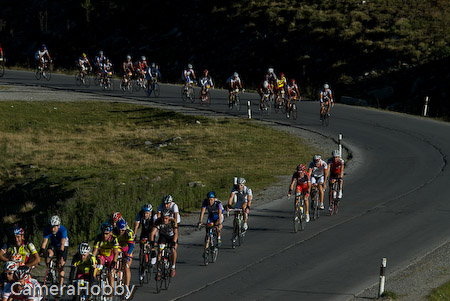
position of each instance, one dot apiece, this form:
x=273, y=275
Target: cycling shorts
x=165, y=239
x=303, y=188
x=125, y=250
x=317, y=180
x=106, y=260
x=58, y=253
x=214, y=219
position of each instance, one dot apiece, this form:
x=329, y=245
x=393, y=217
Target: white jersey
x=318, y=171
x=31, y=291
x=241, y=197
x=173, y=209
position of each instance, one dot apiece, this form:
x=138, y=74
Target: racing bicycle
x=211, y=250
x=334, y=200
x=82, y=78
x=163, y=267
x=265, y=107
x=145, y=265
x=237, y=239
x=153, y=87
x=315, y=202
x=235, y=100
x=299, y=213
x=188, y=93
x=324, y=116
x=43, y=72
x=126, y=85
x=205, y=97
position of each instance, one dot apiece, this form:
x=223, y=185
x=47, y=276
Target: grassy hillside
x=85, y=160
x=385, y=51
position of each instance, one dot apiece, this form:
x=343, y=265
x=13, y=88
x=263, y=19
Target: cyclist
x=244, y=196
x=145, y=219
x=265, y=88
x=303, y=186
x=152, y=73
x=215, y=209
x=128, y=69
x=188, y=76
x=84, y=64
x=23, y=286
x=205, y=82
x=106, y=249
x=326, y=100
x=336, y=167
x=59, y=244
x=42, y=56
x=100, y=60
x=84, y=265
x=281, y=83
x=107, y=70
x=318, y=172
x=168, y=203
x=18, y=250
x=234, y=83
x=293, y=94
x=272, y=76
x=125, y=237
x=167, y=227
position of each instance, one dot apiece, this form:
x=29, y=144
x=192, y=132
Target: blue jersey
x=55, y=239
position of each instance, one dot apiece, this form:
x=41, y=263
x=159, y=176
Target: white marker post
x=235, y=182
x=425, y=107
x=339, y=144
x=382, y=276
x=249, y=110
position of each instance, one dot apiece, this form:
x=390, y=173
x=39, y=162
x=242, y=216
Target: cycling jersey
x=302, y=182
x=125, y=238
x=206, y=82
x=241, y=196
x=281, y=82
x=152, y=73
x=25, y=250
x=335, y=167
x=146, y=224
x=166, y=229
x=318, y=171
x=30, y=291
x=105, y=248
x=128, y=66
x=293, y=90
x=173, y=209
x=84, y=267
x=213, y=210
x=55, y=239
x=325, y=95
x=188, y=73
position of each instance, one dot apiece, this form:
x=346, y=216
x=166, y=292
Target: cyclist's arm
x=95, y=251
x=153, y=233
x=291, y=187
x=44, y=243
x=63, y=242
x=249, y=200
x=341, y=174
x=2, y=255
x=33, y=260
x=175, y=237
x=230, y=199
x=136, y=226
x=202, y=212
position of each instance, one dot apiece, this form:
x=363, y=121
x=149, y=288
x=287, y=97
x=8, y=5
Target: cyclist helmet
x=167, y=199
x=147, y=207
x=143, y=58
x=235, y=74
x=292, y=80
x=115, y=216
x=153, y=65
x=270, y=70
x=129, y=57
x=84, y=248
x=106, y=227
x=17, y=258
x=316, y=158
x=122, y=225
x=18, y=231
x=281, y=75
x=336, y=153
x=211, y=194
x=10, y=266
x=100, y=52
x=84, y=55
x=54, y=221
x=189, y=66
x=326, y=86
x=108, y=60
x=301, y=167
x=44, y=47
x=166, y=212
x=22, y=272
x=241, y=181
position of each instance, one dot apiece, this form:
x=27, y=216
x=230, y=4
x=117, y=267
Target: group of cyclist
x=318, y=173
x=112, y=249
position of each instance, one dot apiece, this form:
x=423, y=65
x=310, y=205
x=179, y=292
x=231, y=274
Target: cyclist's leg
x=321, y=191
x=60, y=264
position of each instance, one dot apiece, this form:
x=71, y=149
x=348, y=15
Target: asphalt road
x=396, y=205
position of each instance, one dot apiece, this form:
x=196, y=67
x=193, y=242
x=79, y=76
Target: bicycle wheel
x=237, y=103
x=142, y=270
x=38, y=74
x=206, y=256
x=159, y=277
x=156, y=90
x=215, y=253
x=97, y=80
x=2, y=69
x=191, y=94
x=234, y=237
x=283, y=105
x=78, y=81
x=296, y=220
x=184, y=95
x=166, y=275
x=87, y=81
x=327, y=119
x=47, y=74
x=294, y=111
x=137, y=85
x=276, y=105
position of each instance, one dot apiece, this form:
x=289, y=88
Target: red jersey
x=335, y=167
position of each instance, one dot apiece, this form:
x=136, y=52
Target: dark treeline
x=391, y=53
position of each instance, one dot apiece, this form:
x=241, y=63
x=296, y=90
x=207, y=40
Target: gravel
x=411, y=283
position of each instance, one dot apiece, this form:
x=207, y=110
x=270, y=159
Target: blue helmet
x=121, y=225
x=18, y=231
x=106, y=227
x=44, y=47
x=211, y=194
x=147, y=207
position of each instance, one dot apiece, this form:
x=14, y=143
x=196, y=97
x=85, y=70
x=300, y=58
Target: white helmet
x=84, y=248
x=241, y=181
x=326, y=86
x=270, y=70
x=336, y=153
x=235, y=74
x=10, y=266
x=54, y=221
x=143, y=58
x=190, y=66
x=316, y=158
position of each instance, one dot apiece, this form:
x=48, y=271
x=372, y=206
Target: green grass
x=440, y=293
x=85, y=160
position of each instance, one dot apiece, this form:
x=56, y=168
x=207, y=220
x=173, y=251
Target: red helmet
x=116, y=216
x=281, y=74
x=301, y=167
x=292, y=80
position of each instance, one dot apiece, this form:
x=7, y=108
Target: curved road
x=396, y=205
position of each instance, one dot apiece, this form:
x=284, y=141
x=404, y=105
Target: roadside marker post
x=249, y=110
x=339, y=144
x=382, y=277
x=425, y=107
